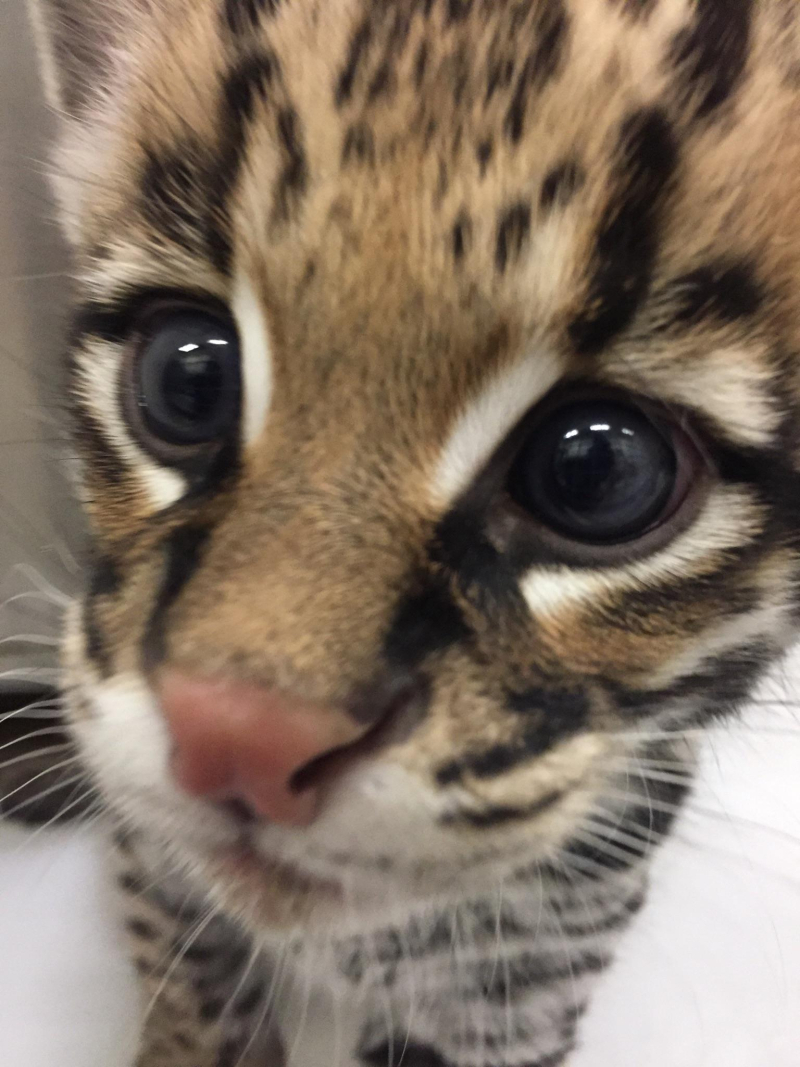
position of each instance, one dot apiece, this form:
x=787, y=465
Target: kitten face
x=450, y=347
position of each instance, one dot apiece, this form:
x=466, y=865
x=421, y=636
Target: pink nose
x=234, y=741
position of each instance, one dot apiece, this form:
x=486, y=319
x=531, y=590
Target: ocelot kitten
x=435, y=380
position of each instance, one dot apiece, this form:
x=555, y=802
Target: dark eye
x=188, y=377
x=597, y=471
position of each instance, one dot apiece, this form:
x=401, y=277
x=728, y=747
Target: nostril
x=400, y=714
x=240, y=810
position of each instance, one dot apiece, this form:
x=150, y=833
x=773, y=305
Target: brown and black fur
x=422, y=193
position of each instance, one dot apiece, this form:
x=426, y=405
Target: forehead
x=426, y=196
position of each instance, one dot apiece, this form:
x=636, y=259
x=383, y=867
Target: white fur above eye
x=488, y=418
x=256, y=359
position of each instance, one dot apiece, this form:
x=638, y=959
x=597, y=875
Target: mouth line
x=243, y=862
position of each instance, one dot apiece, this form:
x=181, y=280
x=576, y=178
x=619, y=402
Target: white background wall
x=36, y=521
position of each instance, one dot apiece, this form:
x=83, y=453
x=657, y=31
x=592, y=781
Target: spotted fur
x=426, y=216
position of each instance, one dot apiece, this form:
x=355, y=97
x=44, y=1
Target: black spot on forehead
x=560, y=184
x=710, y=55
x=356, y=53
x=242, y=16
x=294, y=174
x=635, y=9
x=627, y=239
x=245, y=83
x=513, y=230
x=541, y=64
x=173, y=201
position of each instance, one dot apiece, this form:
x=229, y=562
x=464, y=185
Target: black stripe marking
x=420, y=64
x=403, y=1053
x=183, y=550
x=711, y=56
x=482, y=574
x=541, y=65
x=356, y=54
x=627, y=239
x=102, y=459
x=636, y=10
x=548, y=730
x=513, y=230
x=483, y=153
x=244, y=16
x=561, y=184
x=294, y=175
x=358, y=145
x=717, y=293
x=174, y=194
x=142, y=930
x=231, y=1052
x=245, y=84
x=501, y=815
x=105, y=580
x=425, y=622
x=568, y=705
x=529, y=970
x=462, y=234
x=458, y=10
x=718, y=687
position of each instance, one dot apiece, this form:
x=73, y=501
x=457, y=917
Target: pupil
x=600, y=472
x=584, y=470
x=192, y=385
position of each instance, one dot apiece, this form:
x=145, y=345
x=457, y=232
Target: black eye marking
x=626, y=244
x=597, y=471
x=183, y=552
x=187, y=379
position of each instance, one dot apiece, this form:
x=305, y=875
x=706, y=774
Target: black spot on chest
x=401, y=1051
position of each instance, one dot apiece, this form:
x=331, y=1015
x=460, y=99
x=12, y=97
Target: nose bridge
x=300, y=579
